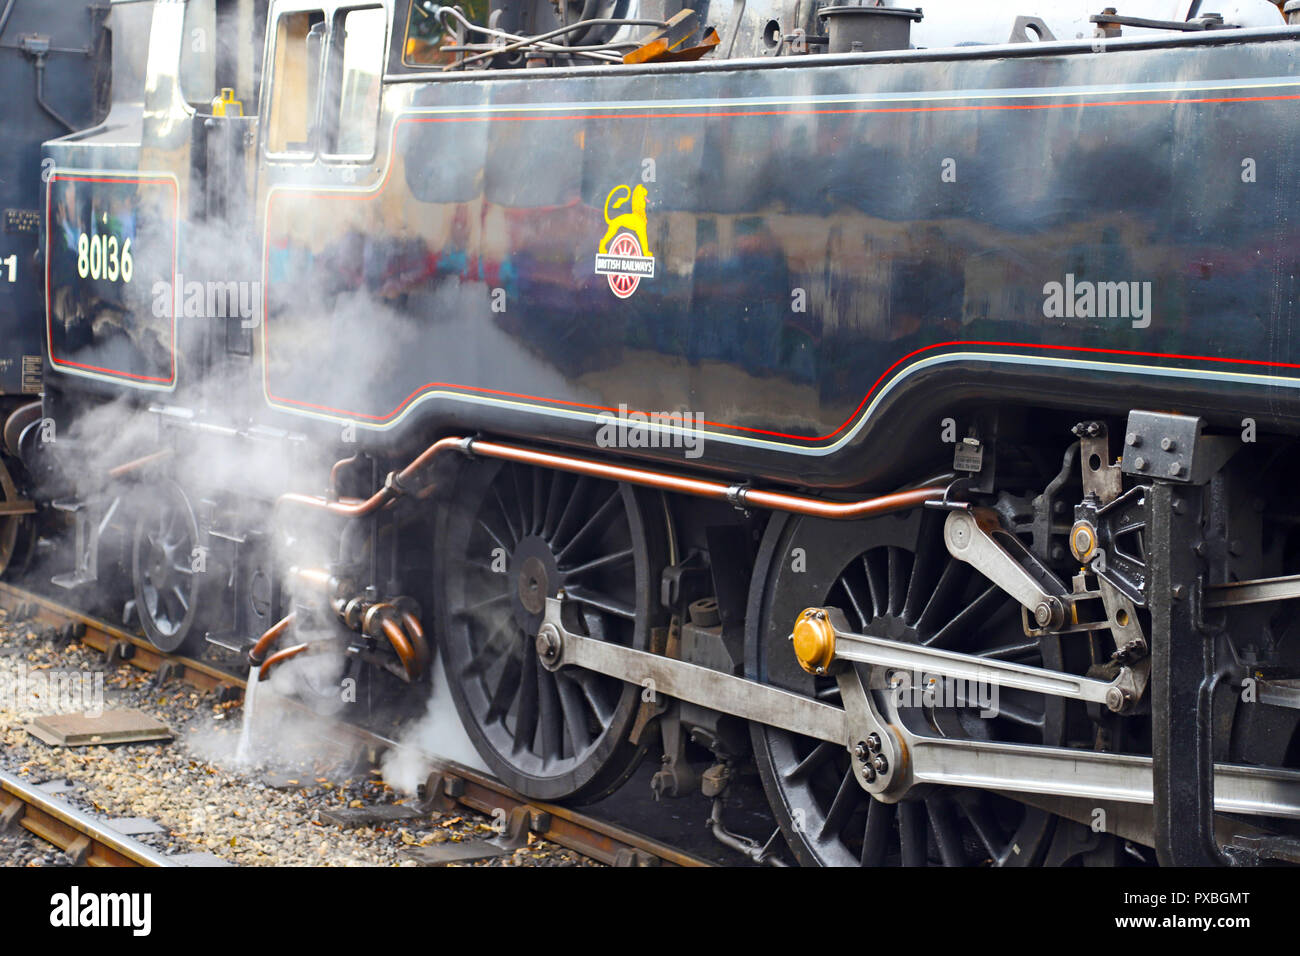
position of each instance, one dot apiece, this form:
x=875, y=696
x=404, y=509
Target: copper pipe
x=842, y=510
x=426, y=456
x=337, y=470
x=267, y=640
x=376, y=620
x=397, y=637
x=393, y=487
x=127, y=467
x=279, y=657
x=599, y=469
x=415, y=630
x=738, y=495
x=343, y=507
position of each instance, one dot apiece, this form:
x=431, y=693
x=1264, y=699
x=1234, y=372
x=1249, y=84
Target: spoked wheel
x=893, y=578
x=168, y=587
x=511, y=537
x=16, y=531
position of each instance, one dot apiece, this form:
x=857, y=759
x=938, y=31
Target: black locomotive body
x=635, y=369
x=828, y=266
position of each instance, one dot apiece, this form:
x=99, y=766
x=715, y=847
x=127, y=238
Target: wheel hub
x=160, y=567
x=537, y=577
x=814, y=641
x=167, y=586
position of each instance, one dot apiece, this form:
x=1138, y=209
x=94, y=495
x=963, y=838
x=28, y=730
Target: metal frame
x=1182, y=685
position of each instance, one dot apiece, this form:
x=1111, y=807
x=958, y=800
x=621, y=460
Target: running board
x=961, y=763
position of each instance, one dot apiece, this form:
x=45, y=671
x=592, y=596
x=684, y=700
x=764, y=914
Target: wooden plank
x=110, y=727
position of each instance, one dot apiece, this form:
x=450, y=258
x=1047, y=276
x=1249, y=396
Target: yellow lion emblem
x=633, y=220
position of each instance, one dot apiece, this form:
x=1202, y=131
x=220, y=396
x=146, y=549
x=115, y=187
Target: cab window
x=357, y=66
x=198, y=68
x=295, y=77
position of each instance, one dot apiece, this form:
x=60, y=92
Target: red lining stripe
x=527, y=117
x=49, y=318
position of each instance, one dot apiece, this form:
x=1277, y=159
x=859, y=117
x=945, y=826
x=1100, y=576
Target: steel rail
x=108, y=639
x=85, y=839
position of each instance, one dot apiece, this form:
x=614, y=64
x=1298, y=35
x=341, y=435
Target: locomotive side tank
x=837, y=246
x=836, y=250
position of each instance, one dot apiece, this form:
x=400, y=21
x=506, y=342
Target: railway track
x=448, y=785
x=86, y=841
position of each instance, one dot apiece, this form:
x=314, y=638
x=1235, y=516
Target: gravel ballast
x=205, y=801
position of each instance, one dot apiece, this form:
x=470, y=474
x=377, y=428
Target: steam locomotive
x=894, y=402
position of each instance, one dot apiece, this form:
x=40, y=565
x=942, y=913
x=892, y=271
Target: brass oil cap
x=814, y=641
x=1083, y=541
